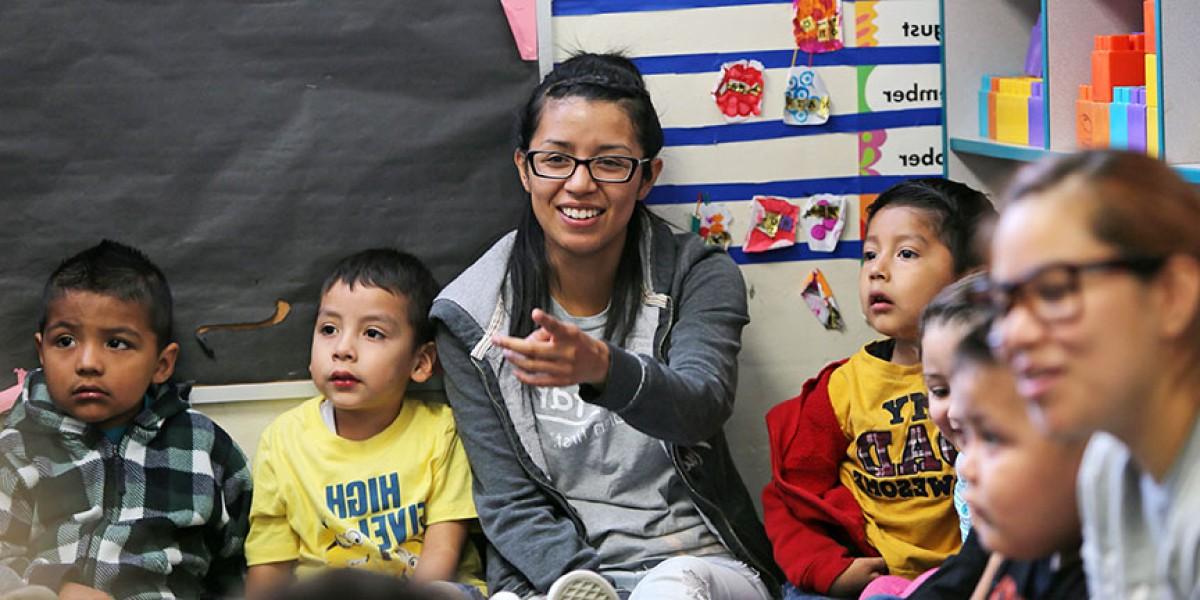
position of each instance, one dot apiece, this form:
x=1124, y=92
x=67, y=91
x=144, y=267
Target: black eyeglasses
x=1051, y=292
x=612, y=168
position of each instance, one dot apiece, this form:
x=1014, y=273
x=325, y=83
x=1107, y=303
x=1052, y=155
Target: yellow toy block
x=1012, y=110
x=1151, y=80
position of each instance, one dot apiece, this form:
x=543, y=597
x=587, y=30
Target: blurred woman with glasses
x=1096, y=276
x=591, y=361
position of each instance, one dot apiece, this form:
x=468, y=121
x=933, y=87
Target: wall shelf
x=992, y=37
x=1024, y=154
x=996, y=149
x=1190, y=172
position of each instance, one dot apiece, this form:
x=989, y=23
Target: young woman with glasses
x=1096, y=276
x=591, y=361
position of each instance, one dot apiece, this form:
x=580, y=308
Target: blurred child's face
x=1021, y=483
x=937, y=356
x=905, y=264
x=100, y=355
x=363, y=350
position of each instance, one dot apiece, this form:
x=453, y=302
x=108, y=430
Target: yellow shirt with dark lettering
x=326, y=501
x=898, y=465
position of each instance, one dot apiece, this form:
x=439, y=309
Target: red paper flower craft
x=740, y=91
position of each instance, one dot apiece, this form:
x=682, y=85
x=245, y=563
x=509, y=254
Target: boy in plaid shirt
x=110, y=485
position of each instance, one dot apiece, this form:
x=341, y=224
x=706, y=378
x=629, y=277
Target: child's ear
x=165, y=367
x=37, y=344
x=424, y=362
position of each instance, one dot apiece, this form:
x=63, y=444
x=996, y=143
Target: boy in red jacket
x=862, y=479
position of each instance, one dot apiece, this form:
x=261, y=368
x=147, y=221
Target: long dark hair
x=611, y=78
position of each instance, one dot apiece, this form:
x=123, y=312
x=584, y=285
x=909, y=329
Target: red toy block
x=1118, y=60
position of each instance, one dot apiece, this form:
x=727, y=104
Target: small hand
x=856, y=577
x=556, y=354
x=75, y=591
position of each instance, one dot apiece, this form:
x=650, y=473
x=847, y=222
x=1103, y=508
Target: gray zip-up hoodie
x=694, y=303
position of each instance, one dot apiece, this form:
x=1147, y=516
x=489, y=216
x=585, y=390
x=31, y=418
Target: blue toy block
x=1118, y=119
x=985, y=88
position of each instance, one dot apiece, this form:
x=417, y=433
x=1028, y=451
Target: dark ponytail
x=603, y=77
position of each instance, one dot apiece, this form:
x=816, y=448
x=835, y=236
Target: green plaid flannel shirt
x=162, y=514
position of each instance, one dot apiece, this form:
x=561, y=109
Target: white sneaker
x=505, y=596
x=582, y=585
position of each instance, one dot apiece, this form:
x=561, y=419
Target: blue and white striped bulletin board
x=885, y=87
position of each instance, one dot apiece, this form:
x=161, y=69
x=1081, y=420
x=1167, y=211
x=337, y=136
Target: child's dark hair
x=974, y=350
x=959, y=303
x=123, y=272
x=957, y=213
x=603, y=77
x=397, y=272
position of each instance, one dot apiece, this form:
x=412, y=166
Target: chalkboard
x=246, y=146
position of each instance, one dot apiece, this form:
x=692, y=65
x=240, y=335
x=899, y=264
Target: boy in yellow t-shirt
x=360, y=476
x=862, y=480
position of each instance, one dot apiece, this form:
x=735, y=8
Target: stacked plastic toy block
x=1119, y=108
x=1012, y=109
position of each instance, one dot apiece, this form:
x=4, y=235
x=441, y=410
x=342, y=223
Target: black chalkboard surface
x=246, y=146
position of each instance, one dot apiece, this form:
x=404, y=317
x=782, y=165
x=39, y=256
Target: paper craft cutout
x=870, y=150
x=9, y=396
x=824, y=218
x=522, y=20
x=739, y=92
x=282, y=309
x=806, y=101
x=817, y=25
x=865, y=14
x=819, y=297
x=711, y=222
x=775, y=221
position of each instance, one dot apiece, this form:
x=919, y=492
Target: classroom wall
x=877, y=136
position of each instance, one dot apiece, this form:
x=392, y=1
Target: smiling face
x=579, y=216
x=100, y=356
x=937, y=357
x=1088, y=372
x=1021, y=483
x=905, y=265
x=363, y=350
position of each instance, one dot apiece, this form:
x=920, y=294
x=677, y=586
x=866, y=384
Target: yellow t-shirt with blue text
x=898, y=465
x=326, y=501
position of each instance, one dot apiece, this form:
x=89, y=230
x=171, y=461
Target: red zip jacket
x=816, y=526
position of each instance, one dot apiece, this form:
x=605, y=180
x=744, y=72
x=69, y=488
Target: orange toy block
x=1150, y=25
x=1091, y=120
x=992, y=107
x=1117, y=60
x=1083, y=117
